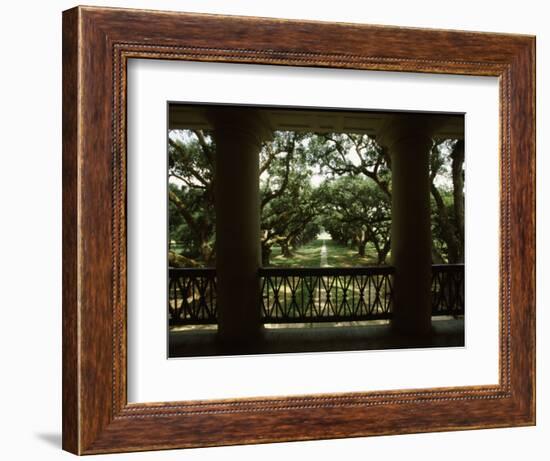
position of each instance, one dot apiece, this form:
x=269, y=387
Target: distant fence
x=312, y=295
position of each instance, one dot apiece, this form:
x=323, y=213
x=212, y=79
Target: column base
x=407, y=335
x=242, y=343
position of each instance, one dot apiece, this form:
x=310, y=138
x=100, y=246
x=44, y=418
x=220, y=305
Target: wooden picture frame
x=97, y=42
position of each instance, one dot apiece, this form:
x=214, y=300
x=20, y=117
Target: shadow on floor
x=51, y=438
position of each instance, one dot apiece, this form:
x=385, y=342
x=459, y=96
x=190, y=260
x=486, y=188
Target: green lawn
x=310, y=256
x=307, y=256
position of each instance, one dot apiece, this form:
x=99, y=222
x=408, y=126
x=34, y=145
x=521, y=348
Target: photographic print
x=297, y=229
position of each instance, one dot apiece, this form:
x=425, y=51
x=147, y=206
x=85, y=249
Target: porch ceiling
x=184, y=116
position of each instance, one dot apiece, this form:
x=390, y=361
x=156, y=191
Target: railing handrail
x=356, y=270
x=325, y=271
x=191, y=271
x=447, y=267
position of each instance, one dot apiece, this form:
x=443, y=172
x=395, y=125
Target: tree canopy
x=339, y=183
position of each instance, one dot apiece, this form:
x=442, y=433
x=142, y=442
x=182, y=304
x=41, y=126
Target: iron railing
x=448, y=289
x=312, y=295
x=326, y=294
x=192, y=296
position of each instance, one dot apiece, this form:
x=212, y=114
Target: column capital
x=240, y=121
x=404, y=127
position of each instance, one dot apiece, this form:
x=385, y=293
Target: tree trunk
x=285, y=249
x=361, y=248
x=436, y=256
x=383, y=253
x=447, y=229
x=177, y=260
x=266, y=253
x=206, y=252
x=458, y=195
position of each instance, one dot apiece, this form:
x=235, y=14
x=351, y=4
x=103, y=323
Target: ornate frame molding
x=97, y=42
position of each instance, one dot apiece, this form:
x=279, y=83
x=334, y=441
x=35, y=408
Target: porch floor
x=446, y=332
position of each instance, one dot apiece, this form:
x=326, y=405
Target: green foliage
x=447, y=202
x=357, y=212
x=336, y=182
x=348, y=154
x=191, y=215
x=289, y=202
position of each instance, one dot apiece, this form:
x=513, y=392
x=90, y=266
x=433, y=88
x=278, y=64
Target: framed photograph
x=279, y=230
